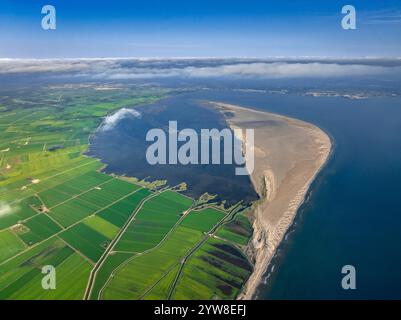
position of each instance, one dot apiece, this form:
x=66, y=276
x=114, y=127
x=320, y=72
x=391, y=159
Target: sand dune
x=288, y=155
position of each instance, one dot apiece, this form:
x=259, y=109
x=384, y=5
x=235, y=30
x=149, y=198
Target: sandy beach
x=288, y=155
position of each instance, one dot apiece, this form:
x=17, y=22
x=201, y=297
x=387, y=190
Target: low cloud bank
x=112, y=120
x=6, y=209
x=120, y=69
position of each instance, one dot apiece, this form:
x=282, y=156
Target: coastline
x=289, y=153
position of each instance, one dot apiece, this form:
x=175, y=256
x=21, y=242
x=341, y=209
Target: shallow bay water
x=123, y=149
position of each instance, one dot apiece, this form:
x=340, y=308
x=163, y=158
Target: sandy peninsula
x=288, y=155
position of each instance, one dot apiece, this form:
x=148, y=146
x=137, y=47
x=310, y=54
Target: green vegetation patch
x=71, y=279
x=86, y=240
x=73, y=187
x=162, y=289
x=119, y=188
x=238, y=231
x=14, y=212
x=118, y=213
x=102, y=226
x=203, y=220
x=66, y=170
x=109, y=192
x=99, y=197
x=73, y=211
x=142, y=274
x=157, y=216
x=38, y=228
x=17, y=276
x=109, y=266
x=216, y=271
x=10, y=245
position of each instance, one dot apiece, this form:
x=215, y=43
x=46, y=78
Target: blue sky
x=199, y=28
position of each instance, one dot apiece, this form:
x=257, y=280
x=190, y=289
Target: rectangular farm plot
x=57, y=175
x=203, y=220
x=109, y=192
x=102, y=226
x=10, y=245
x=157, y=216
x=216, y=271
x=119, y=188
x=119, y=212
x=87, y=181
x=144, y=271
x=73, y=187
x=99, y=197
x=54, y=196
x=92, y=202
x=18, y=274
x=238, y=231
x=73, y=211
x=86, y=240
x=37, y=228
x=72, y=278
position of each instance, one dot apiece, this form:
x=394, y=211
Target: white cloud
x=32, y=66
x=6, y=209
x=112, y=120
x=285, y=70
x=119, y=69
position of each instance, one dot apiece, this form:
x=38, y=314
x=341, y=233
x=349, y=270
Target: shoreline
x=289, y=154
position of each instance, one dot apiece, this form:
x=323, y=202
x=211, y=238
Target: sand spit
x=288, y=155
